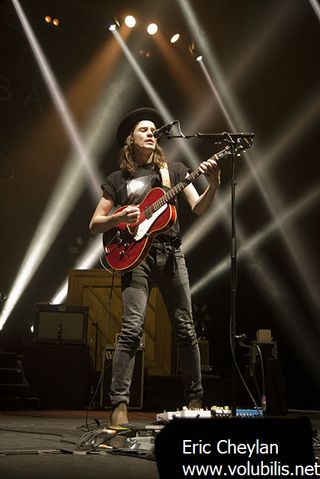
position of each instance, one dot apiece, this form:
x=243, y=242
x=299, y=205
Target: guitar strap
x=165, y=178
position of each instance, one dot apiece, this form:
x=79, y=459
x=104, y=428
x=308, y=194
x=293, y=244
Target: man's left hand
x=211, y=170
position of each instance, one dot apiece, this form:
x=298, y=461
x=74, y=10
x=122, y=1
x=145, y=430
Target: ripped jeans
x=164, y=267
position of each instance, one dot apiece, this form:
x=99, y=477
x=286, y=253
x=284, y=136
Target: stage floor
x=38, y=444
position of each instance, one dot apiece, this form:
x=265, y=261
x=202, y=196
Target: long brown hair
x=126, y=159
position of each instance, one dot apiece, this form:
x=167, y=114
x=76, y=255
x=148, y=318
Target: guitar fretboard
x=175, y=190
x=181, y=186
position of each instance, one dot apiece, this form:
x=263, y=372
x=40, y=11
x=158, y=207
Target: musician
x=142, y=166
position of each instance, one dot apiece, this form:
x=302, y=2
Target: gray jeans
x=164, y=267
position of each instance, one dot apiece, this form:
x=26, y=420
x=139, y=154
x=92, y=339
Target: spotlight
x=175, y=38
x=130, y=21
x=145, y=53
x=55, y=22
x=152, y=28
x=3, y=297
x=194, y=52
x=192, y=48
x=115, y=24
x=47, y=19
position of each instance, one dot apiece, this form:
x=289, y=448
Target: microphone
x=164, y=130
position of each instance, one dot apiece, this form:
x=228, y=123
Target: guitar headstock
x=241, y=144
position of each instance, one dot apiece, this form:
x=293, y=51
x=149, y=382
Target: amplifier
x=268, y=350
x=56, y=323
x=136, y=390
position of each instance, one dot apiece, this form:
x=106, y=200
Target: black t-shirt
x=133, y=189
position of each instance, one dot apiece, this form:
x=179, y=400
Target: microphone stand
x=233, y=139
x=234, y=279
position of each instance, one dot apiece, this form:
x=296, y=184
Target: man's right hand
x=129, y=215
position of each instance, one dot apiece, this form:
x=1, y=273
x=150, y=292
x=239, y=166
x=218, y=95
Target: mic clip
x=164, y=130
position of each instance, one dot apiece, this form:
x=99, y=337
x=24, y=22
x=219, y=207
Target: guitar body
x=127, y=245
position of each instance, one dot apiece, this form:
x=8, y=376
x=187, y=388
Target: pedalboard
x=213, y=412
x=185, y=413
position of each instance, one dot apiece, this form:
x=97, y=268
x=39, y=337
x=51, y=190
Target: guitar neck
x=184, y=183
x=176, y=189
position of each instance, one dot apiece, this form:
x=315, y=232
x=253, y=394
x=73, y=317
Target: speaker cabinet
x=136, y=390
x=60, y=324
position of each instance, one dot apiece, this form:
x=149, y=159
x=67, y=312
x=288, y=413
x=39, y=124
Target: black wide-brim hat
x=135, y=116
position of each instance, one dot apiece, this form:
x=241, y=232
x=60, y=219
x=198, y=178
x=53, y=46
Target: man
x=142, y=167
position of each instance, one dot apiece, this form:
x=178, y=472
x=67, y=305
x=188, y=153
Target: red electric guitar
x=127, y=245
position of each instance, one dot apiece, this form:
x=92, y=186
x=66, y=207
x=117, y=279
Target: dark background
x=268, y=55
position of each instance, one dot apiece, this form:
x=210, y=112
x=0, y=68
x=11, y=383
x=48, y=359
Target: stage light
x=292, y=131
x=175, y=38
x=145, y=53
x=276, y=290
x=115, y=24
x=316, y=7
x=186, y=150
x=47, y=19
x=56, y=22
x=143, y=78
x=179, y=67
x=68, y=188
x=58, y=100
x=191, y=48
x=69, y=185
x=130, y=21
x=152, y=28
x=51, y=222
x=86, y=261
x=270, y=195
x=258, y=239
x=233, y=115
x=194, y=52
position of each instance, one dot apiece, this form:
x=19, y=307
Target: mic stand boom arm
x=216, y=137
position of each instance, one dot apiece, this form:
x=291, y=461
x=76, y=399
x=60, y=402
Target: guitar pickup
x=118, y=237
x=148, y=212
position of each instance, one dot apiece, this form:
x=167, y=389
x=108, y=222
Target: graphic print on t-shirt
x=137, y=188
